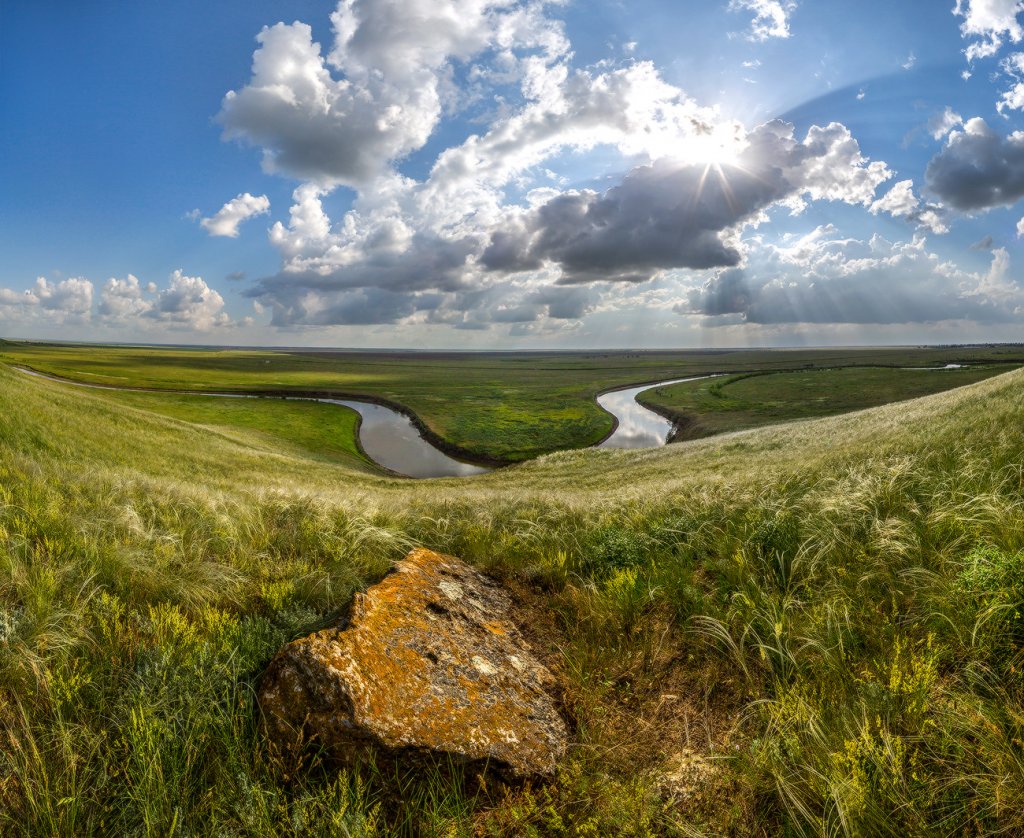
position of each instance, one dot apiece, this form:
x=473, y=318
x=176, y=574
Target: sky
x=485, y=174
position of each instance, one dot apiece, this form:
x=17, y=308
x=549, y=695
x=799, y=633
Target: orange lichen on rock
x=429, y=661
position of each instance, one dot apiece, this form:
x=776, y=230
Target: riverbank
x=494, y=407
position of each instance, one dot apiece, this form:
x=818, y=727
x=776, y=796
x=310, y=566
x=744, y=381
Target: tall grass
x=824, y=619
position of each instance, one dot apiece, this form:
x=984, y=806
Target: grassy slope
x=749, y=401
x=851, y=582
x=510, y=406
x=315, y=430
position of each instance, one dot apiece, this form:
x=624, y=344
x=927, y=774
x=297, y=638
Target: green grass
x=319, y=431
x=503, y=406
x=738, y=402
x=803, y=629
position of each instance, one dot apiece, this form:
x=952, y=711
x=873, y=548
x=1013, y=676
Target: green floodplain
x=510, y=407
x=809, y=627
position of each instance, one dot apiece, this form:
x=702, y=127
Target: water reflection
x=390, y=439
x=638, y=427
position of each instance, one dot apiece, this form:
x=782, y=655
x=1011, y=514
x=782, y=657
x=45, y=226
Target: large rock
x=430, y=661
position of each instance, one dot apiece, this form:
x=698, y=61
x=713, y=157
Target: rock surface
x=429, y=661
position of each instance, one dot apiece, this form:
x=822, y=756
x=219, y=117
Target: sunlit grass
x=824, y=618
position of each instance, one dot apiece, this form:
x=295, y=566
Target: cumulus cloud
x=901, y=202
x=189, y=303
x=186, y=304
x=990, y=23
x=381, y=90
x=824, y=279
x=427, y=235
x=490, y=234
x=669, y=215
x=70, y=298
x=1013, y=97
x=771, y=17
x=978, y=169
x=122, y=300
x=941, y=123
x=241, y=208
x=66, y=302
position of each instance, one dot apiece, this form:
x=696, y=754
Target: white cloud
x=66, y=302
x=910, y=62
x=393, y=60
x=121, y=300
x=71, y=298
x=771, y=17
x=241, y=208
x=186, y=304
x=943, y=122
x=631, y=109
x=990, y=23
x=822, y=278
x=901, y=202
x=1013, y=97
x=429, y=250
x=430, y=241
x=1020, y=228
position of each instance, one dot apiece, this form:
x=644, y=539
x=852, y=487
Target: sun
x=722, y=146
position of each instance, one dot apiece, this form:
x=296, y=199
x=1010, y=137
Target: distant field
x=733, y=403
x=320, y=431
x=505, y=406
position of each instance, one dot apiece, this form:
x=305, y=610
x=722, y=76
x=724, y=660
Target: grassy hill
x=729, y=403
x=804, y=629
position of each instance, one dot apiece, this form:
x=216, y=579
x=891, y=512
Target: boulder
x=428, y=662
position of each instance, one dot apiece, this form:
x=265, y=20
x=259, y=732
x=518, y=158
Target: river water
x=391, y=440
x=638, y=426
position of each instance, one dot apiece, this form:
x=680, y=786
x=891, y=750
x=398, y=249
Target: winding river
x=391, y=440
x=638, y=426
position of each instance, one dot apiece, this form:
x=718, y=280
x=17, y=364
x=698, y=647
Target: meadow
x=737, y=402
x=494, y=407
x=804, y=629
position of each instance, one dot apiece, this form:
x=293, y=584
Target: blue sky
x=477, y=174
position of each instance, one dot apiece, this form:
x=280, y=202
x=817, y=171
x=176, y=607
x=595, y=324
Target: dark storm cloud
x=351, y=307
x=659, y=217
x=978, y=169
x=672, y=215
x=390, y=286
